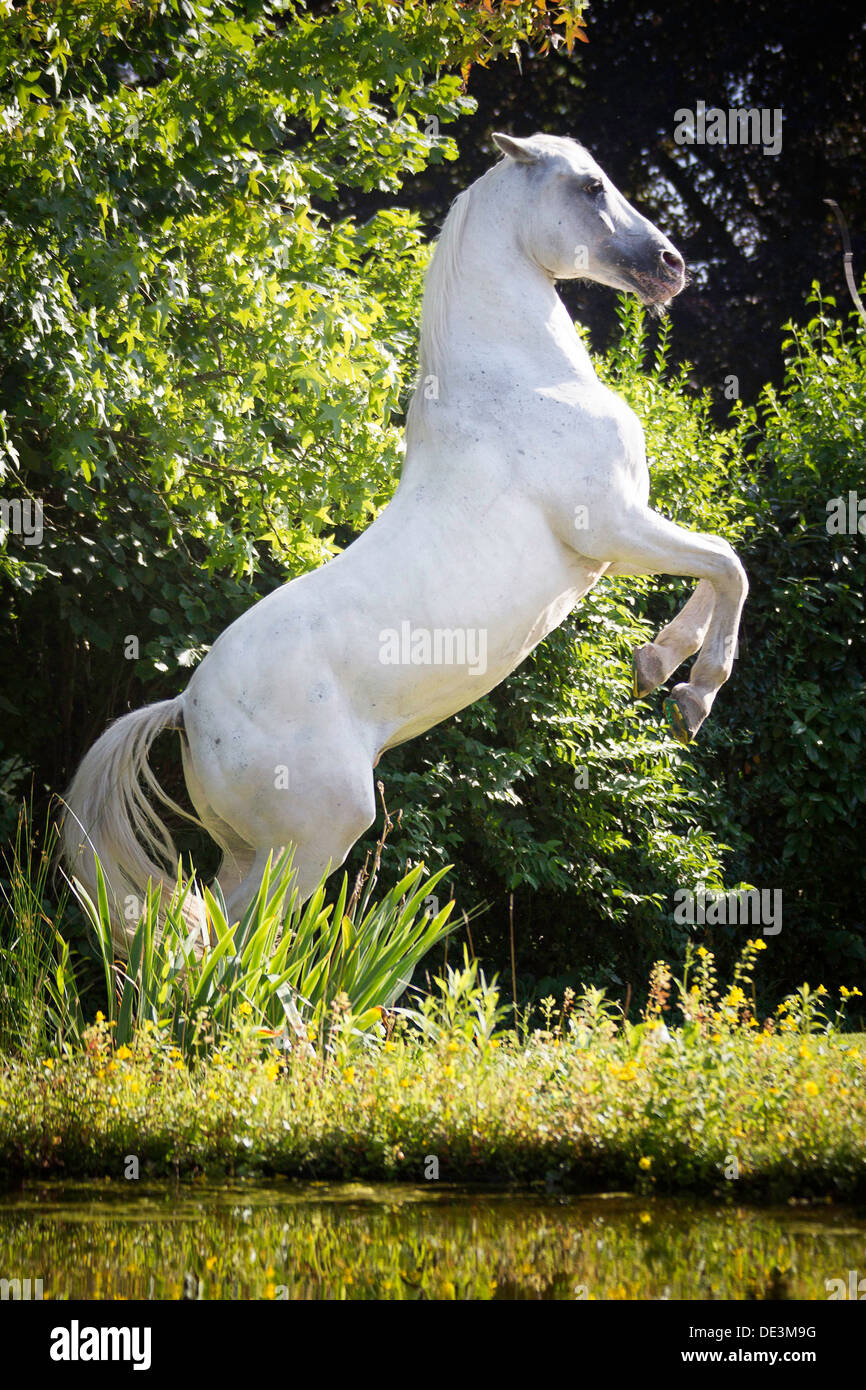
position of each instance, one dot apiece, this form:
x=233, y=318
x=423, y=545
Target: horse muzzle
x=664, y=281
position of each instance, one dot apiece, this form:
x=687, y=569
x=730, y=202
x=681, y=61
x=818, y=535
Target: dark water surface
x=324, y=1240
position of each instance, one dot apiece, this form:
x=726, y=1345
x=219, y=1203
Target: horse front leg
x=640, y=541
x=684, y=635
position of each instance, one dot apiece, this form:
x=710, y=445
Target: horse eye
x=593, y=188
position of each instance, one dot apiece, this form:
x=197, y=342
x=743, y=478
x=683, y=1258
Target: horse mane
x=439, y=288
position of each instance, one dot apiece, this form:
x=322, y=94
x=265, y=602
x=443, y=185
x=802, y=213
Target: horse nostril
x=672, y=260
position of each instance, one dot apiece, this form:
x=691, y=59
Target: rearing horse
x=525, y=480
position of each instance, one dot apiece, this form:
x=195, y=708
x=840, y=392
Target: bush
x=794, y=770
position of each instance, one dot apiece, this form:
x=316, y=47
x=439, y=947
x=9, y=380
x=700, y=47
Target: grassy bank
x=282, y=1051
x=761, y=1115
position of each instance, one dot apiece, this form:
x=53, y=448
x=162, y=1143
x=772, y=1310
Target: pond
x=250, y=1240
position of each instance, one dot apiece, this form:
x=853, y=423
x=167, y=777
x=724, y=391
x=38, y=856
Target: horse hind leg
x=320, y=825
x=654, y=662
x=238, y=857
x=310, y=863
x=308, y=868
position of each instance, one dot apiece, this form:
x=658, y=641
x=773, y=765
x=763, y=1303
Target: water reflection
x=285, y=1240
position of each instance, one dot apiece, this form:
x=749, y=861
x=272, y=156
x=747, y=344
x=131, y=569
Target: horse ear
x=524, y=151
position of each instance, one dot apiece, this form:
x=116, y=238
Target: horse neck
x=502, y=305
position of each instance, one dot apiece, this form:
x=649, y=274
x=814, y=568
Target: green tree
x=795, y=772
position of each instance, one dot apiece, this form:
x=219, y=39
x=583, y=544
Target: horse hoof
x=678, y=726
x=649, y=671
x=684, y=714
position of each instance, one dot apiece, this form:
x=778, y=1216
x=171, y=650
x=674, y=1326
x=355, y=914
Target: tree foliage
x=797, y=773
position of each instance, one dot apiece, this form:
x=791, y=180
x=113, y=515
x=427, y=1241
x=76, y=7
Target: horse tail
x=109, y=814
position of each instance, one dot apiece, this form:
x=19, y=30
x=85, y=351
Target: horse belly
x=378, y=645
x=427, y=692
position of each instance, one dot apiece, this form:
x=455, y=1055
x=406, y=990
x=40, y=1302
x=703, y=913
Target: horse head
x=577, y=224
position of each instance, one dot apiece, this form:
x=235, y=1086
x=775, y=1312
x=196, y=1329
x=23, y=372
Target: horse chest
x=579, y=446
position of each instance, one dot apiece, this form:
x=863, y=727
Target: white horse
x=525, y=480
